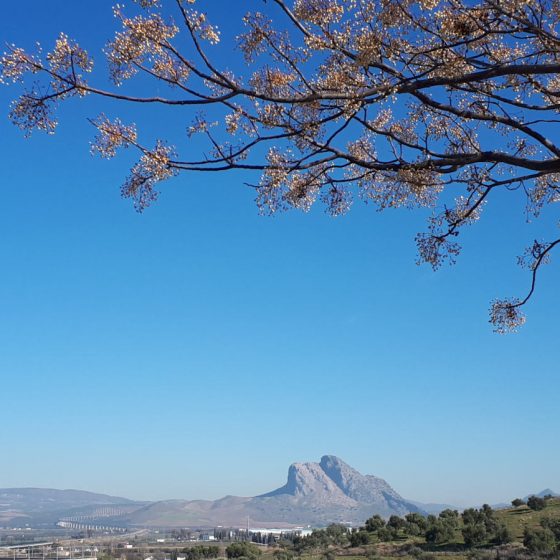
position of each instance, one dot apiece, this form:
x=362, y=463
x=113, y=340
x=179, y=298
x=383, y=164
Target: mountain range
x=315, y=494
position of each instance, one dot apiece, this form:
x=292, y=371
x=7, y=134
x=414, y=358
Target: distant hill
x=314, y=494
x=37, y=506
x=435, y=508
x=543, y=493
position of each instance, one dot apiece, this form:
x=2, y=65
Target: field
x=516, y=519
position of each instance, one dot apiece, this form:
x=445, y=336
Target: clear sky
x=198, y=349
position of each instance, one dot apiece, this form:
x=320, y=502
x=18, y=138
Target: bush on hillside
x=539, y=541
x=536, y=503
x=474, y=534
x=359, y=538
x=243, y=550
x=502, y=535
x=553, y=525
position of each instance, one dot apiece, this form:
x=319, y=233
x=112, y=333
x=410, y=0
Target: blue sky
x=198, y=349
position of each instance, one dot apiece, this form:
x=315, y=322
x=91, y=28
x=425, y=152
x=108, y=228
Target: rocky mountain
x=315, y=494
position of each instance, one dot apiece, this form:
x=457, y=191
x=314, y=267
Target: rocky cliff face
x=310, y=480
x=332, y=491
x=367, y=489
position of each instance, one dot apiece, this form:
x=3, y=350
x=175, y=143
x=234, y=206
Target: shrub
x=440, y=531
x=410, y=549
x=536, y=503
x=200, y=552
x=539, y=541
x=373, y=524
x=502, y=535
x=359, y=538
x=243, y=550
x=553, y=525
x=474, y=534
x=283, y=555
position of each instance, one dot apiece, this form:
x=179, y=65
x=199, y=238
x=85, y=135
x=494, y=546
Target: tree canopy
x=437, y=103
x=536, y=502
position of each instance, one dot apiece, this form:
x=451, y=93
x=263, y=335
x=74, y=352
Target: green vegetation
x=517, y=533
x=536, y=503
x=540, y=541
x=522, y=517
x=200, y=552
x=244, y=550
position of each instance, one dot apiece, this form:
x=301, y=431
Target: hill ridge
x=314, y=494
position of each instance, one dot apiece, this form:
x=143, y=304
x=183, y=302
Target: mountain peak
x=543, y=493
x=332, y=459
x=334, y=482
x=309, y=479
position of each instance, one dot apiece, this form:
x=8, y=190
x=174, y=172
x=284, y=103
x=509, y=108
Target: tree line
x=475, y=527
x=471, y=529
